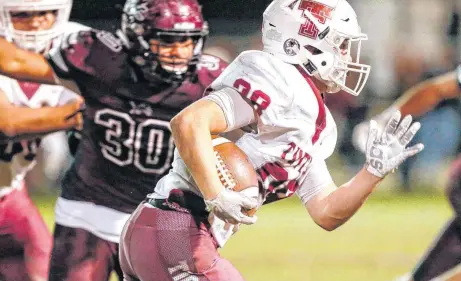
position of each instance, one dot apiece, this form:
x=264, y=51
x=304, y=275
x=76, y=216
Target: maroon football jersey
x=126, y=144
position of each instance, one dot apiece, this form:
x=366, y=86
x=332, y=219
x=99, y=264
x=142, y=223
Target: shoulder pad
x=74, y=27
x=255, y=76
x=94, y=52
x=109, y=40
x=256, y=68
x=209, y=68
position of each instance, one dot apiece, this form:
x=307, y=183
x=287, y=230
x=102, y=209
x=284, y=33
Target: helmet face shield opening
x=347, y=71
x=174, y=52
x=33, y=25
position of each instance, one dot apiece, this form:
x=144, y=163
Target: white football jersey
x=17, y=158
x=287, y=143
x=291, y=137
x=294, y=128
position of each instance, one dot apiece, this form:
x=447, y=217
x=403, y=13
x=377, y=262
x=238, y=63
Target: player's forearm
x=426, y=95
x=24, y=65
x=20, y=122
x=344, y=202
x=193, y=141
x=418, y=100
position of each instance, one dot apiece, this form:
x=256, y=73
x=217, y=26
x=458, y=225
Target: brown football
x=235, y=169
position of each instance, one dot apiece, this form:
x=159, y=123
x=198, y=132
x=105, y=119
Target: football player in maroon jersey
x=133, y=83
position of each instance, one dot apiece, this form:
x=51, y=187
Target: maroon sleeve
x=71, y=54
x=209, y=68
x=92, y=52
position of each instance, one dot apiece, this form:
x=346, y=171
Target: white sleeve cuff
x=237, y=111
x=318, y=177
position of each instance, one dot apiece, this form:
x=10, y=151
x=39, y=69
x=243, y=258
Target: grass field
x=382, y=241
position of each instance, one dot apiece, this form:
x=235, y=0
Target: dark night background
x=235, y=9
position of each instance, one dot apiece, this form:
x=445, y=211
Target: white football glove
x=228, y=207
x=360, y=131
x=386, y=152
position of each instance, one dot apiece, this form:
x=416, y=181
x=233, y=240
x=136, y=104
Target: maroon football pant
x=162, y=245
x=25, y=241
x=79, y=255
x=444, y=255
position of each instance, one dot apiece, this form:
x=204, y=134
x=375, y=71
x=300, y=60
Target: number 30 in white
x=142, y=145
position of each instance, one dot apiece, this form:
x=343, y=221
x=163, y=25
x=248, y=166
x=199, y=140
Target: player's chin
x=175, y=68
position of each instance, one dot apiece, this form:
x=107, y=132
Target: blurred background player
x=275, y=96
x=133, y=83
x=443, y=259
x=27, y=112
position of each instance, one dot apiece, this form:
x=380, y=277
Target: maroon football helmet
x=166, y=21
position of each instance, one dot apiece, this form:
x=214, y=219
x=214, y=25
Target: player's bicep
x=236, y=110
x=201, y=113
x=24, y=65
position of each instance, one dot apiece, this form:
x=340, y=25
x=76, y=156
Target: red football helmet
x=167, y=22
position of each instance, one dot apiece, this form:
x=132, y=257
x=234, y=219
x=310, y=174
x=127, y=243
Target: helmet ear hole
x=324, y=63
x=313, y=50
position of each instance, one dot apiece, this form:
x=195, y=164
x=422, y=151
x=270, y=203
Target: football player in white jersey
x=442, y=260
x=27, y=112
x=274, y=99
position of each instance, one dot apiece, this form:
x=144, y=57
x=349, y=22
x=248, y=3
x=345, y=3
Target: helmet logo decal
x=184, y=25
x=291, y=47
x=320, y=11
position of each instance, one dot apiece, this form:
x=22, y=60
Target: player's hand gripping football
x=385, y=152
x=228, y=207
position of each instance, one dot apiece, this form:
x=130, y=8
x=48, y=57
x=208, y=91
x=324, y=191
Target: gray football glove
x=386, y=152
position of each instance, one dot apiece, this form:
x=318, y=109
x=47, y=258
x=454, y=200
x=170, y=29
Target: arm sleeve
x=56, y=57
x=458, y=75
x=238, y=112
x=318, y=177
x=71, y=54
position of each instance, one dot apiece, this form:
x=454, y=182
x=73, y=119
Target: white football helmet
x=37, y=41
x=321, y=36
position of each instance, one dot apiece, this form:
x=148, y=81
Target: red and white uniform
x=17, y=158
x=24, y=238
x=287, y=142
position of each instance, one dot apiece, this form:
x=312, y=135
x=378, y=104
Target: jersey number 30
x=147, y=145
